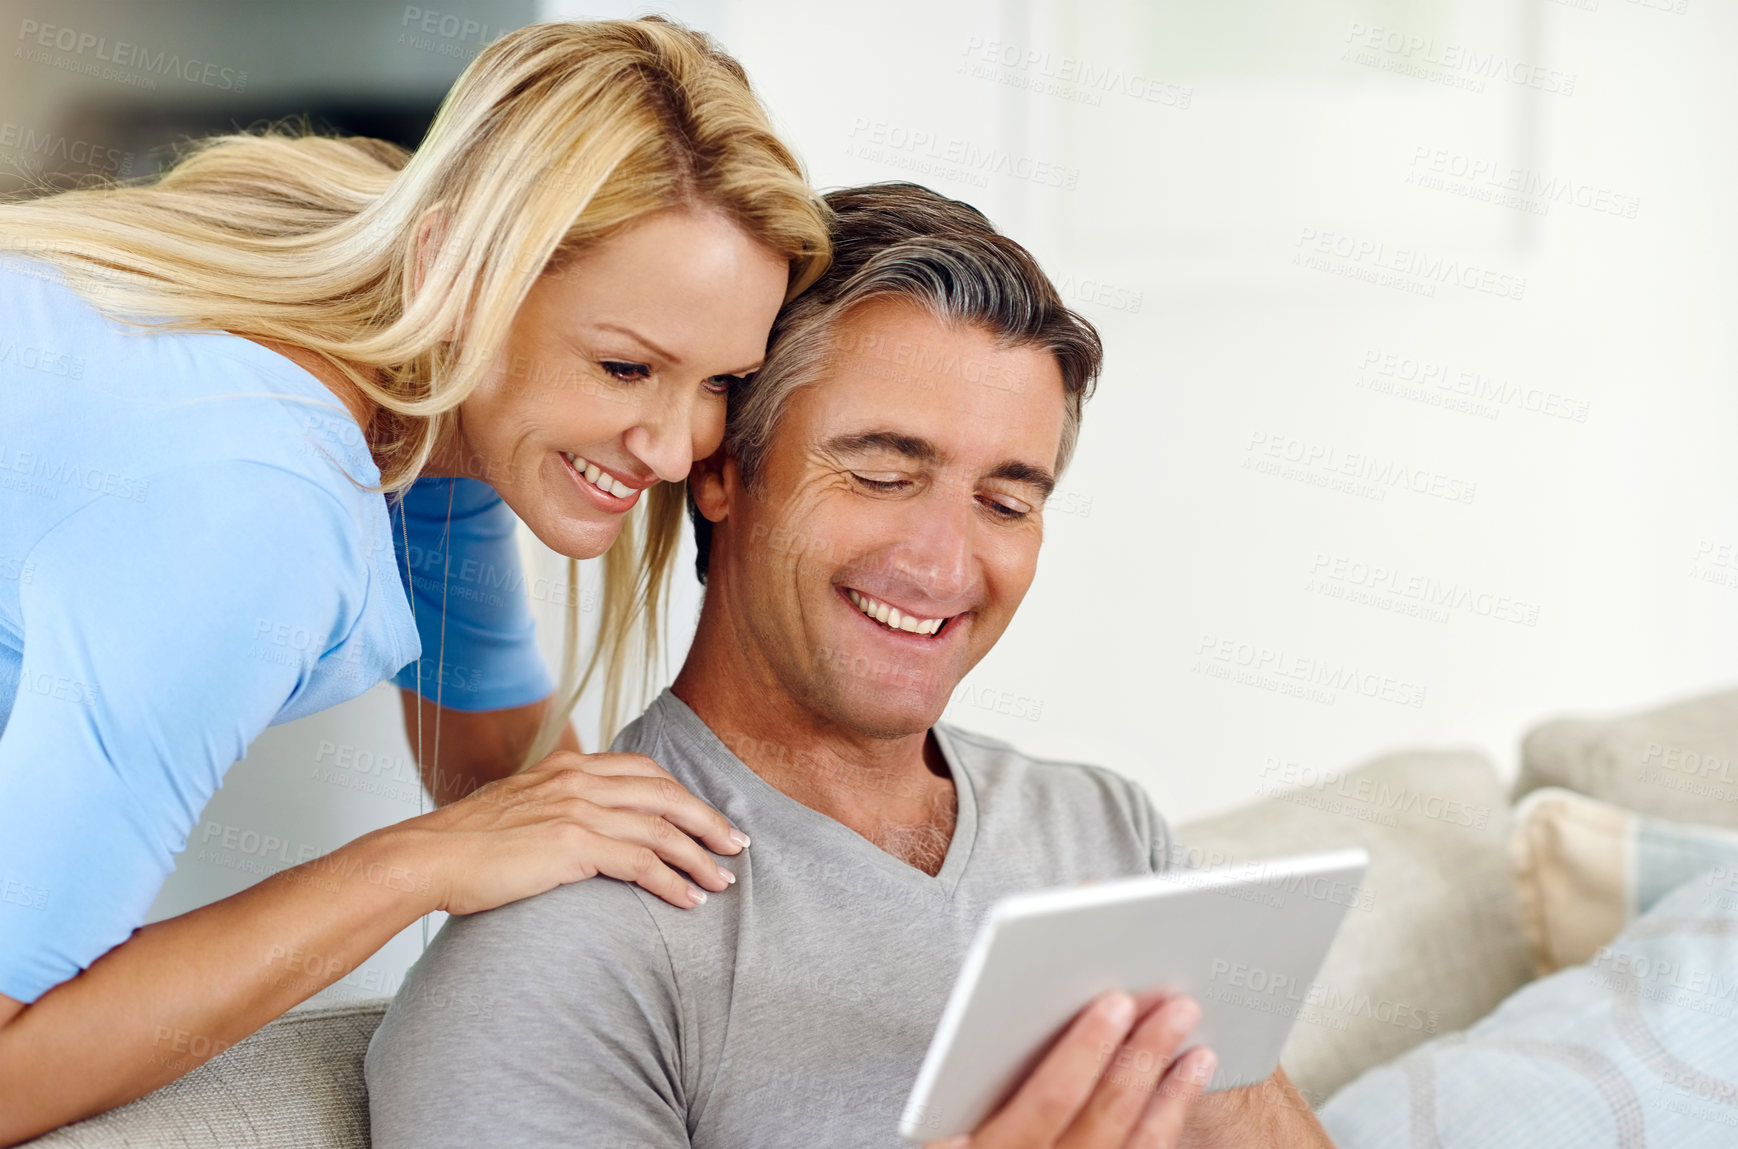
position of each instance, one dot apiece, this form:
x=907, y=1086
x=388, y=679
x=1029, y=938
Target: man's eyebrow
x=923, y=451
x=912, y=447
x=1014, y=471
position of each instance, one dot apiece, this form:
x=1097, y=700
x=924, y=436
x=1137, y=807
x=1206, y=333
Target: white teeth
x=892, y=617
x=598, y=477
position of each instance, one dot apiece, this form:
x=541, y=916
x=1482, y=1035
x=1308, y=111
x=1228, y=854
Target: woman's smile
x=602, y=488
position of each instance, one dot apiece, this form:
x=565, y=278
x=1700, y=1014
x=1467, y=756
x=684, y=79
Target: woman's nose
x=665, y=439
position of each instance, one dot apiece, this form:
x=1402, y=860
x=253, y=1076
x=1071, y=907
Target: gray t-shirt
x=792, y=1009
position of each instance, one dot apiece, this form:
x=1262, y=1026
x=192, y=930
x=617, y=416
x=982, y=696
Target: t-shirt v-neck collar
x=682, y=722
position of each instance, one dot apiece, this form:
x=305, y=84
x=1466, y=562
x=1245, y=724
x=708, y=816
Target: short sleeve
x=546, y=1023
x=1151, y=825
x=150, y=664
x=1161, y=838
x=490, y=659
x=1147, y=827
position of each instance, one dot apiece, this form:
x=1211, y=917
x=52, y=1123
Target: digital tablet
x=1246, y=941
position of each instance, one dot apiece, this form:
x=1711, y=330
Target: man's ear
x=710, y=483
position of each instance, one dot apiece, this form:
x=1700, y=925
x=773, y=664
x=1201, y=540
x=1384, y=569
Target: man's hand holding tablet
x=1020, y=1063
x=1112, y=1081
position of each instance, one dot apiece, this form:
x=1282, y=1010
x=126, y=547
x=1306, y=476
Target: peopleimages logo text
x=122, y=54
x=1420, y=265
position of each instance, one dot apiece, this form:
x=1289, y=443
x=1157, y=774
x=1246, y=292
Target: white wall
x=1587, y=525
x=1181, y=235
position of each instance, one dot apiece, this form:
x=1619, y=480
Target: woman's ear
x=431, y=231
x=709, y=483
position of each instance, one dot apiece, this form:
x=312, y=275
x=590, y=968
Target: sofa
x=1448, y=927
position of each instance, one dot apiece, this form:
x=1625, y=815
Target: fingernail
x=1205, y=1064
x=698, y=894
x=1119, y=1008
x=726, y=874
x=738, y=837
x=1185, y=1014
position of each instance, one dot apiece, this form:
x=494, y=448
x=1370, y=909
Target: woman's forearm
x=180, y=991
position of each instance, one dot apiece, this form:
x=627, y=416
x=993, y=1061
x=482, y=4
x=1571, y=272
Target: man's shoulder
x=641, y=735
x=596, y=916
x=673, y=736
x=998, y=757
x=1059, y=798
x=566, y=998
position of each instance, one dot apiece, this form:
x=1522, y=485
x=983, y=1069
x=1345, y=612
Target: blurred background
x=1417, y=422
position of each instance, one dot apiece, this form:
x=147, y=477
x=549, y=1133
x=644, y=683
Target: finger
x=700, y=820
x=642, y=866
x=1046, y=1102
x=600, y=765
x=1132, y=1074
x=1150, y=999
x=556, y=760
x=670, y=800
x=610, y=764
x=1161, y=1124
x=670, y=843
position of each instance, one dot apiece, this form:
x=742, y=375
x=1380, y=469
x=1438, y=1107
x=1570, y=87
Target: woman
x=213, y=382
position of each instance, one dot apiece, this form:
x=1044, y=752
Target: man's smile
x=891, y=618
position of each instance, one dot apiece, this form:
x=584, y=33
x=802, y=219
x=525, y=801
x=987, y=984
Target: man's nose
x=940, y=547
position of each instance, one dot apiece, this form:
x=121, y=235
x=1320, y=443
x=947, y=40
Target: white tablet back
x=1246, y=941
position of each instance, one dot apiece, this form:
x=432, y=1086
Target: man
x=865, y=535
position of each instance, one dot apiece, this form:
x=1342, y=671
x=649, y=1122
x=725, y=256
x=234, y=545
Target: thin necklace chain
x=440, y=656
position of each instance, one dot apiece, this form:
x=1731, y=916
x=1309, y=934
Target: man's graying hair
x=903, y=241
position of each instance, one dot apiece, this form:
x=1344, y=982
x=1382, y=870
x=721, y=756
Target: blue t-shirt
x=184, y=563
x=488, y=656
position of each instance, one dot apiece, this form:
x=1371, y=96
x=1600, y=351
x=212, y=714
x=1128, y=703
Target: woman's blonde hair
x=555, y=138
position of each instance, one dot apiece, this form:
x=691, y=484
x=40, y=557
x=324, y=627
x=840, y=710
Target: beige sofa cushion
x=1678, y=761
x=1584, y=869
x=1572, y=857
x=1441, y=941
x=295, y=1084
